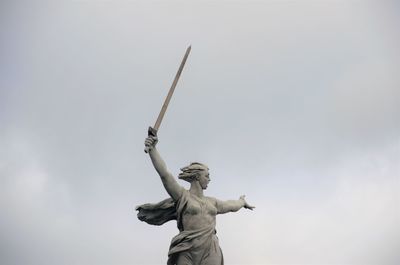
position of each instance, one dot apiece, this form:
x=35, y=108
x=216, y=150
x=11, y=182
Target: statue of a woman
x=196, y=243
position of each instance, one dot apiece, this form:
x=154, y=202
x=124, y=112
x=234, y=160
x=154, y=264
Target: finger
x=154, y=138
x=148, y=140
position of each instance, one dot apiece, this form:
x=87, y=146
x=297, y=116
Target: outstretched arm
x=169, y=182
x=232, y=205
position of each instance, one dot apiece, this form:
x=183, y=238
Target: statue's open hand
x=150, y=142
x=246, y=205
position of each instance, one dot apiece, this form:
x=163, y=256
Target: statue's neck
x=196, y=189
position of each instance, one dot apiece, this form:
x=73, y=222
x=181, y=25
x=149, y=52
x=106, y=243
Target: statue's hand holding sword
x=152, y=132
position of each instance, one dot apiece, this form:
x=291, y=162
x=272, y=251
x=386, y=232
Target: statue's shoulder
x=212, y=199
x=185, y=193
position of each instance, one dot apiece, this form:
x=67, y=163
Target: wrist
x=152, y=150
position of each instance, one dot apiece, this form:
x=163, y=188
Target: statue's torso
x=199, y=212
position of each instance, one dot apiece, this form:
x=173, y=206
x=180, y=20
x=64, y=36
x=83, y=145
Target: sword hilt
x=150, y=132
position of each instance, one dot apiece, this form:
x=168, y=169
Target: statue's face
x=204, y=179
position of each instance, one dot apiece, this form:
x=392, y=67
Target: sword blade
x=171, y=90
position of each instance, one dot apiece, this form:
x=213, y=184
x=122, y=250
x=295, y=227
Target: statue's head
x=196, y=172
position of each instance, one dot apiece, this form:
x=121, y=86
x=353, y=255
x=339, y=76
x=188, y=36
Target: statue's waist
x=197, y=222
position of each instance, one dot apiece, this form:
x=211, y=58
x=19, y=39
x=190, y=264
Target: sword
x=153, y=130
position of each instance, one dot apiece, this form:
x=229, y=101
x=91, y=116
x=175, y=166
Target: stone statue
x=196, y=243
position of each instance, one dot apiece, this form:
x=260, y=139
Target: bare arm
x=168, y=180
x=232, y=205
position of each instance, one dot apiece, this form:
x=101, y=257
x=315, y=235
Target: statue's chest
x=196, y=206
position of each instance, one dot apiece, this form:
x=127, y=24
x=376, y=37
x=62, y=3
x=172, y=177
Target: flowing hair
x=191, y=172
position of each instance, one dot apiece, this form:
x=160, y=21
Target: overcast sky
x=294, y=103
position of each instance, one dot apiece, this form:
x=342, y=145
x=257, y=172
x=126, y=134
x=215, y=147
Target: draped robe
x=189, y=247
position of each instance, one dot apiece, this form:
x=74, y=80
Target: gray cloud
x=295, y=104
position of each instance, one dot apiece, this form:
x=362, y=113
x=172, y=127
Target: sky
x=295, y=104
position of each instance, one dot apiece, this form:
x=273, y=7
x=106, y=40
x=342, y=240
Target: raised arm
x=168, y=180
x=232, y=205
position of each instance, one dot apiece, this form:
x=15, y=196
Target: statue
x=196, y=243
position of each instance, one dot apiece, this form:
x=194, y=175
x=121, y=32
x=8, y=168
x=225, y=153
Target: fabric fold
x=201, y=244
x=157, y=213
